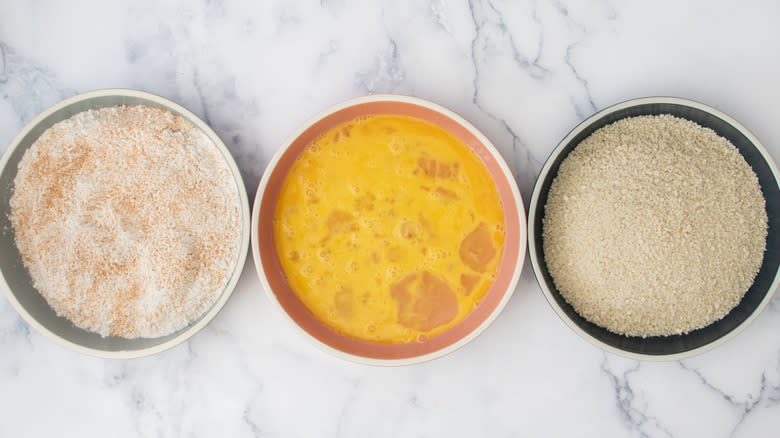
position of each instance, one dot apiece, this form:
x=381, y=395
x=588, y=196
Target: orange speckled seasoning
x=128, y=220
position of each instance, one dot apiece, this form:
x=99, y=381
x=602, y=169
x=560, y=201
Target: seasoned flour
x=127, y=219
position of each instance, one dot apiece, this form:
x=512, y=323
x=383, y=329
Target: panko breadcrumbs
x=127, y=219
x=654, y=226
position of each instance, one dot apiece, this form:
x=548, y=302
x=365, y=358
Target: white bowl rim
x=240, y=261
x=474, y=131
x=536, y=263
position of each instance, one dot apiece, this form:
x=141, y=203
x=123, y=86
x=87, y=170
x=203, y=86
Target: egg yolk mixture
x=389, y=229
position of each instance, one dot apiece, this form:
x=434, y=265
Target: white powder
x=127, y=219
x=654, y=226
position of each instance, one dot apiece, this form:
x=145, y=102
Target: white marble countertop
x=523, y=72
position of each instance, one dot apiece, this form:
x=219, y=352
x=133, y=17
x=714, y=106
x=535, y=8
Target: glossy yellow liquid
x=389, y=229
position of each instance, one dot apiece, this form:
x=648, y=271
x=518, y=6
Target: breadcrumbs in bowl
x=127, y=223
x=647, y=228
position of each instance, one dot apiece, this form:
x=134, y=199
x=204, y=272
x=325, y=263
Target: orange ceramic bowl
x=273, y=279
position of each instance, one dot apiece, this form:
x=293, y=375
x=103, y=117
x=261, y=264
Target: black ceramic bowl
x=756, y=298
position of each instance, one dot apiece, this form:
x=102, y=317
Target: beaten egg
x=389, y=229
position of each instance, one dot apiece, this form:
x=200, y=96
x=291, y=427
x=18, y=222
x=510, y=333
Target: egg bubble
x=395, y=144
x=409, y=229
x=324, y=254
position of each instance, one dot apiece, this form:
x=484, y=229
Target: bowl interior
x=297, y=311
x=16, y=275
x=658, y=346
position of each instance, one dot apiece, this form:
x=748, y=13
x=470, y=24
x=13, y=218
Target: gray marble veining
x=523, y=72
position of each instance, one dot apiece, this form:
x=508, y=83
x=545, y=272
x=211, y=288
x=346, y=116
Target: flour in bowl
x=127, y=219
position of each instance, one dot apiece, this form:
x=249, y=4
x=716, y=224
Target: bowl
x=294, y=311
x=756, y=298
x=14, y=277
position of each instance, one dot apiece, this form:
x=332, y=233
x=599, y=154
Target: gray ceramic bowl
x=756, y=298
x=14, y=277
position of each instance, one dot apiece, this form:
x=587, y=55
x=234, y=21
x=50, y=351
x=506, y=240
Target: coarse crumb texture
x=654, y=226
x=127, y=219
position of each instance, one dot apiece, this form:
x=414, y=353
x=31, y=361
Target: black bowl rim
x=533, y=206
